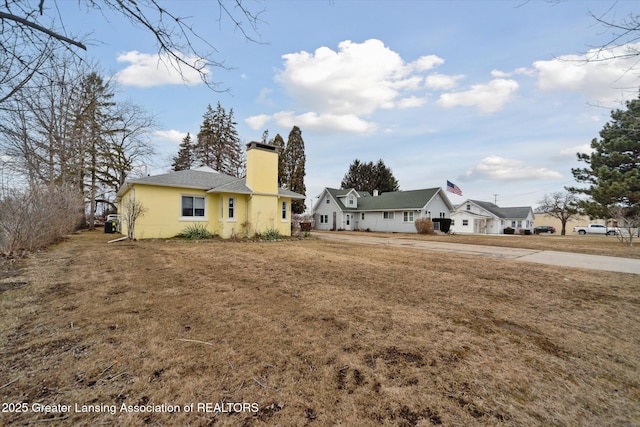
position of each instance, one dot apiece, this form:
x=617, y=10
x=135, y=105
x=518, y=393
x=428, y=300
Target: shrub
x=37, y=216
x=195, y=232
x=424, y=226
x=271, y=234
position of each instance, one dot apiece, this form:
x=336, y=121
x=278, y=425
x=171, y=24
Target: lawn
x=312, y=332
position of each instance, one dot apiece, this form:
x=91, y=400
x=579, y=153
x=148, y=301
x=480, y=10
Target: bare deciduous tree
x=130, y=211
x=32, y=34
x=37, y=216
x=561, y=205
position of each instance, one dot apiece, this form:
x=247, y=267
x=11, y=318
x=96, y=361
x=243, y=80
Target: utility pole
x=495, y=199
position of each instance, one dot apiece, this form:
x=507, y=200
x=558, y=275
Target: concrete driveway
x=562, y=259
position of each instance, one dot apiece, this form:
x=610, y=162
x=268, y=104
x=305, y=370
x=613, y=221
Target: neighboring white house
x=474, y=216
x=395, y=211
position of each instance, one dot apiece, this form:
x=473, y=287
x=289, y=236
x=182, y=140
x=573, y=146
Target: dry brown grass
x=317, y=333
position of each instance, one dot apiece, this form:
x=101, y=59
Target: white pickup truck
x=596, y=229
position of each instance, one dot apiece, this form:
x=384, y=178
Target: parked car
x=596, y=229
x=544, y=229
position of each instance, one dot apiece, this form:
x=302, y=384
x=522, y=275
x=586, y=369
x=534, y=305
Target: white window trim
x=284, y=211
x=408, y=216
x=390, y=216
x=235, y=209
x=204, y=218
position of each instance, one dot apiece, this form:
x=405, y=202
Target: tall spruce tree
x=94, y=123
x=184, y=159
x=278, y=142
x=369, y=177
x=218, y=144
x=613, y=171
x=294, y=168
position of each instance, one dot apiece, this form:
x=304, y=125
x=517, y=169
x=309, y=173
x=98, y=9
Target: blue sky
x=491, y=95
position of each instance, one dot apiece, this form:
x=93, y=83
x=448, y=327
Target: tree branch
x=42, y=29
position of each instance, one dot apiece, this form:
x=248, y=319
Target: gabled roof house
x=227, y=206
x=396, y=211
x=478, y=217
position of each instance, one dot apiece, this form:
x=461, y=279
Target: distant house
x=227, y=206
x=474, y=216
x=349, y=209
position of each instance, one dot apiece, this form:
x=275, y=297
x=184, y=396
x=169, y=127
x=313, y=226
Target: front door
x=348, y=222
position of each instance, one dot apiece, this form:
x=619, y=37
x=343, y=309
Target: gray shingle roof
x=510, y=212
x=204, y=179
x=395, y=200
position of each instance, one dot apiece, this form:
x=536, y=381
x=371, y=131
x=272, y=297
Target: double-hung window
x=407, y=216
x=387, y=215
x=284, y=211
x=232, y=207
x=192, y=206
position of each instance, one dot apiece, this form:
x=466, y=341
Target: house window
x=362, y=218
x=232, y=207
x=327, y=202
x=465, y=222
x=442, y=215
x=407, y=216
x=192, y=206
x=519, y=224
x=387, y=215
x=453, y=222
x=284, y=210
x=324, y=219
x=351, y=200
x=513, y=224
x=468, y=206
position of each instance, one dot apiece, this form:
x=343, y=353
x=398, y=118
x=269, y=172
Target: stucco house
x=474, y=216
x=227, y=206
x=396, y=211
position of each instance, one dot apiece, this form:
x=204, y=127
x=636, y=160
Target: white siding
x=328, y=209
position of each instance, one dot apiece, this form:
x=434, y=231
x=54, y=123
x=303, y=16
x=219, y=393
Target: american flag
x=451, y=187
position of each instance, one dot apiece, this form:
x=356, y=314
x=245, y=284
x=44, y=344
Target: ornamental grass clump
x=271, y=234
x=195, y=232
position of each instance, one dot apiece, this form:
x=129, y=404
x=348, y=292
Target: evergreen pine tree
x=295, y=160
x=184, y=159
x=204, y=147
x=613, y=172
x=231, y=150
x=369, y=177
x=278, y=142
x=218, y=143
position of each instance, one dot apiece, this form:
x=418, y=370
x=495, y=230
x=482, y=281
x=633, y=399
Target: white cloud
x=442, y=81
x=603, y=75
x=257, y=122
x=321, y=123
x=354, y=81
x=518, y=71
x=488, y=98
x=571, y=151
x=428, y=62
x=148, y=70
x=500, y=74
x=171, y=135
x=411, y=102
x=496, y=168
